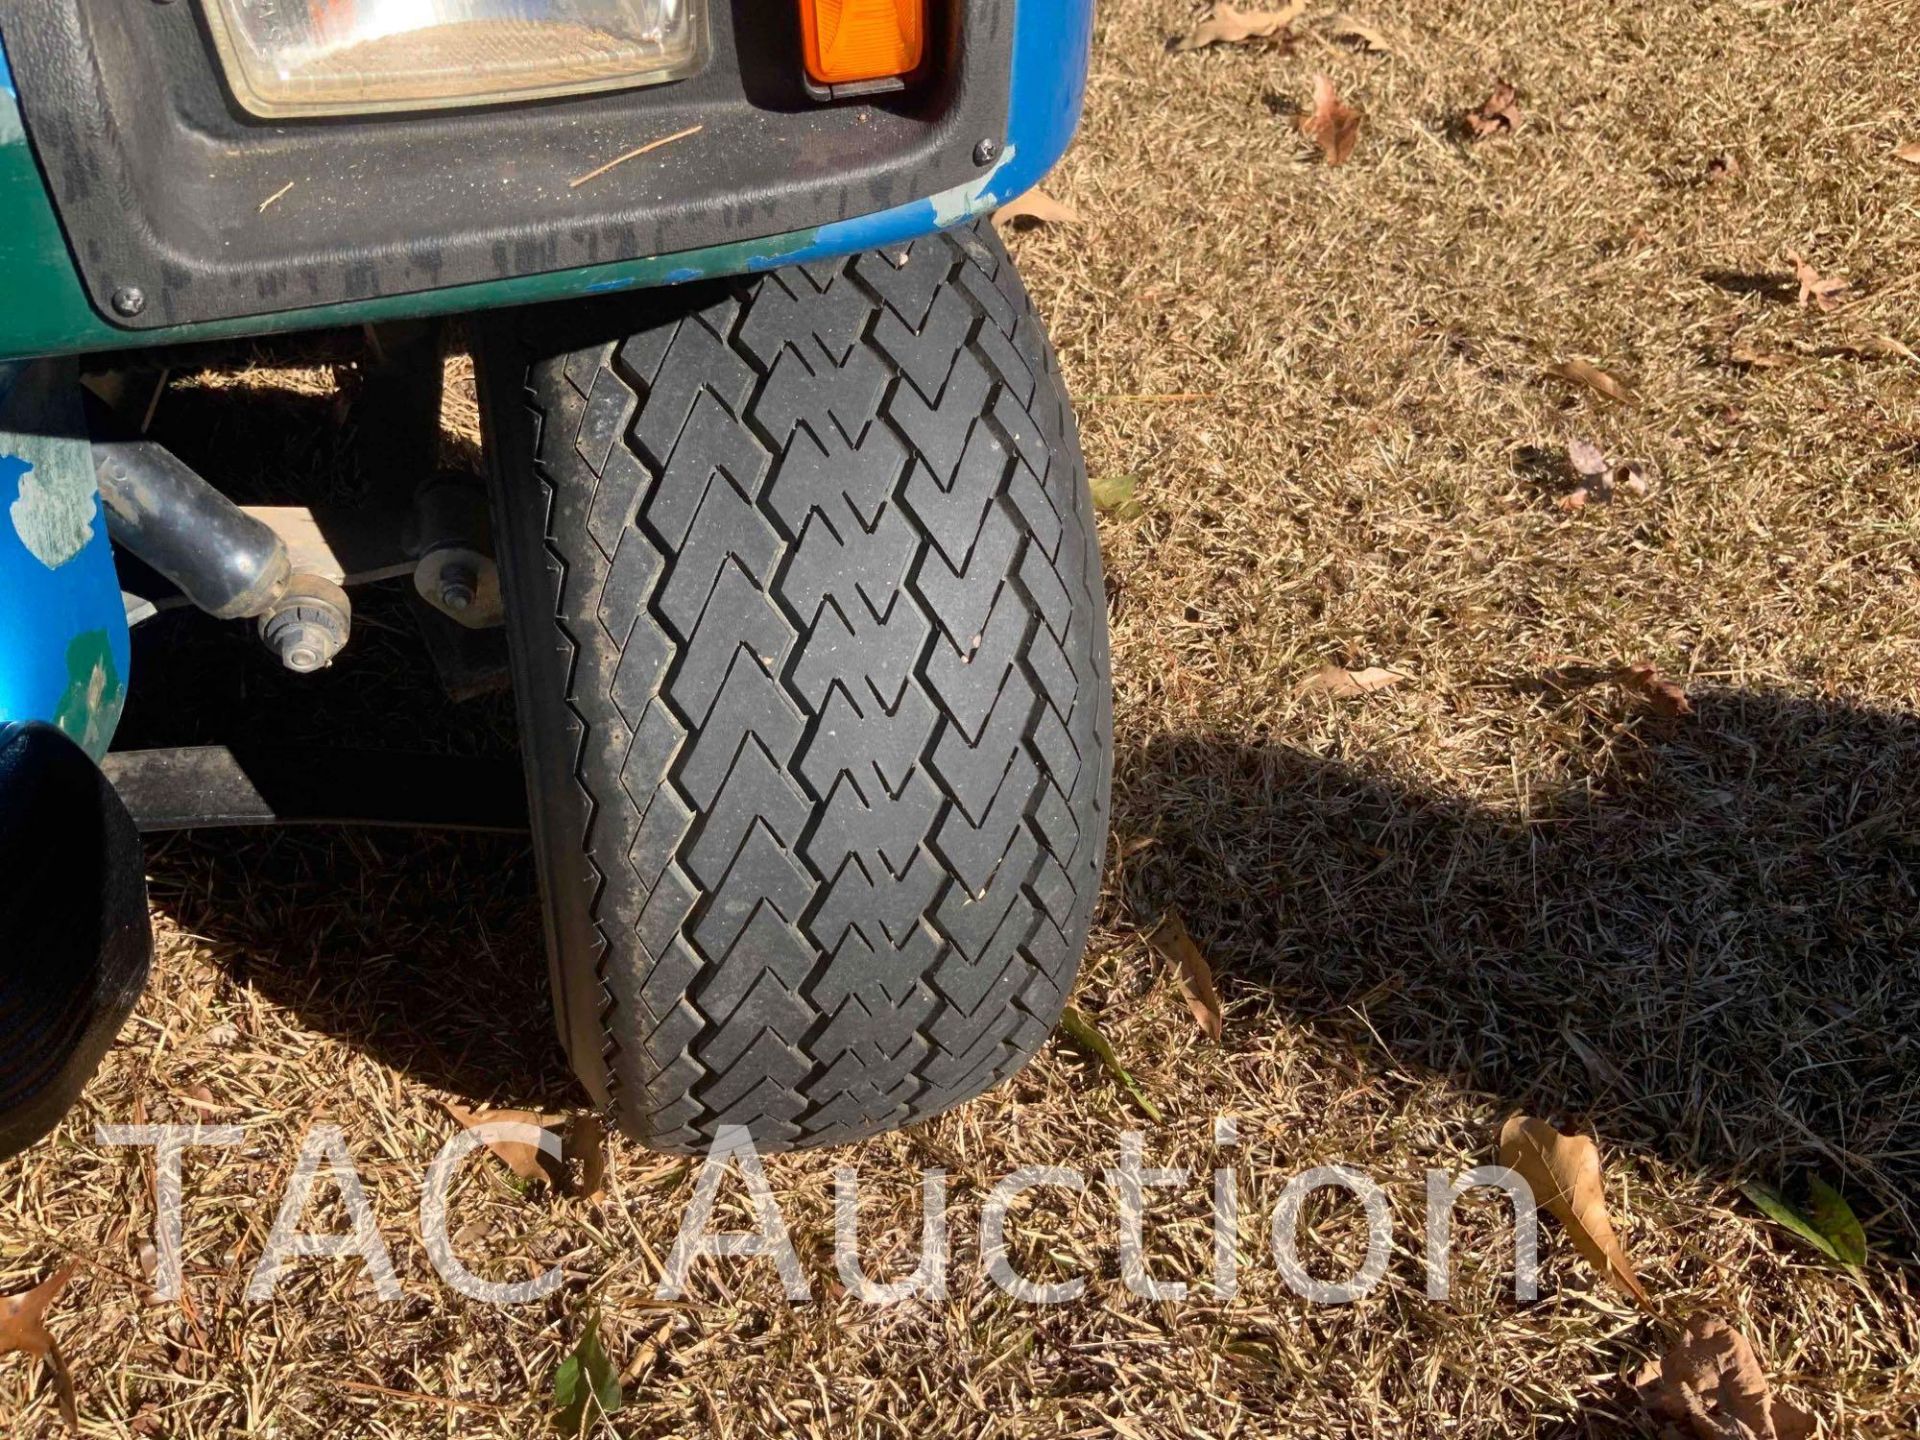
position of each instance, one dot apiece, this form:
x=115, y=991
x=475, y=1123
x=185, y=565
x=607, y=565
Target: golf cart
x=785, y=534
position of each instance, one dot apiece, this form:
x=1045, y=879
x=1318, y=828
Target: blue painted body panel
x=63, y=626
x=1053, y=40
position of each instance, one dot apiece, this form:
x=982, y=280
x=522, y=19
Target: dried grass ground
x=1475, y=890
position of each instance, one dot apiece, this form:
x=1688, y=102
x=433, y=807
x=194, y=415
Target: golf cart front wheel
x=810, y=644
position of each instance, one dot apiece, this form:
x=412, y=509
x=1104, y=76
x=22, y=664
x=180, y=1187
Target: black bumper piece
x=75, y=941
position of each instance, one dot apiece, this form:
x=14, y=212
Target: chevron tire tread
x=810, y=645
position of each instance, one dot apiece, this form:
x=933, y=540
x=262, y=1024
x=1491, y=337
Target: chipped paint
x=90, y=708
x=963, y=202
x=45, y=455
x=52, y=515
x=64, y=648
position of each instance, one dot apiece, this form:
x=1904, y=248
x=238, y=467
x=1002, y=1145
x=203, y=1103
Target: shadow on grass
x=1713, y=951
x=423, y=949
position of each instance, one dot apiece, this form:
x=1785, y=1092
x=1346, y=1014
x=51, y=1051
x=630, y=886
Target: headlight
x=343, y=57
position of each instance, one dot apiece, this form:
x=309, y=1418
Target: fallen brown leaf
x=529, y=1162
x=1710, y=1381
x=1723, y=167
x=1346, y=684
x=1564, y=1171
x=1498, y=114
x=1887, y=345
x=1597, y=477
x=1039, y=207
x=1744, y=354
x=1333, y=126
x=1586, y=458
x=1813, y=285
x=1343, y=26
x=1228, y=26
x=1579, y=372
x=1662, y=696
x=23, y=1326
x=1176, y=947
x=1909, y=152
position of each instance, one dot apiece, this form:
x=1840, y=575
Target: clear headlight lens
x=343, y=57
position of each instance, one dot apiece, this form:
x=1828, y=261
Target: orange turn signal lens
x=851, y=40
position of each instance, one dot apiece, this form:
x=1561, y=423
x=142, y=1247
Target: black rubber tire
x=809, y=637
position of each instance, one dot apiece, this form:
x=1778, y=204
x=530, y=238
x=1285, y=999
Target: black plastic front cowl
x=166, y=186
x=75, y=940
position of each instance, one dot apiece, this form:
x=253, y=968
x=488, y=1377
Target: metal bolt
x=129, y=301
x=986, y=152
x=302, y=645
x=308, y=624
x=303, y=658
x=458, y=587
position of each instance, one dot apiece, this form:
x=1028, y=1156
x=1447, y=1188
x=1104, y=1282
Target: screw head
x=129, y=301
x=986, y=152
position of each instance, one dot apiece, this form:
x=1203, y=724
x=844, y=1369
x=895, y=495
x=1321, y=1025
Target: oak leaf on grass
x=1592, y=377
x=1344, y=684
x=1228, y=26
x=1564, y=1171
x=1598, y=478
x=23, y=1326
x=583, y=1140
x=1498, y=114
x=1709, y=1381
x=529, y=1162
x=1331, y=124
x=1742, y=353
x=1813, y=285
x=1038, y=208
x=1190, y=968
x=1662, y=695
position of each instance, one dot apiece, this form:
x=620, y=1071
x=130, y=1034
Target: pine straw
x=1477, y=890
